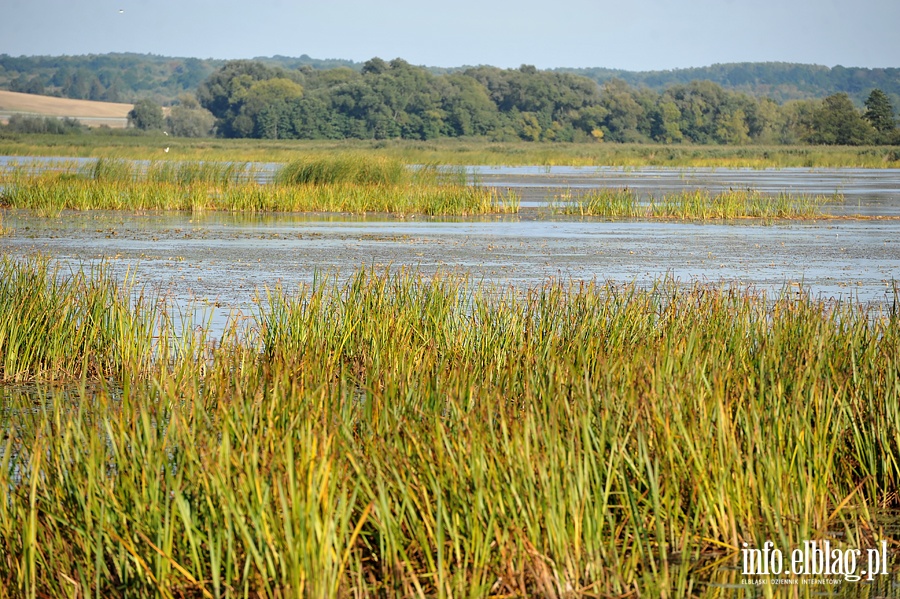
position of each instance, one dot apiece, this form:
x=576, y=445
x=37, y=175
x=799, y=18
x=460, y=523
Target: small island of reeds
x=339, y=183
x=697, y=204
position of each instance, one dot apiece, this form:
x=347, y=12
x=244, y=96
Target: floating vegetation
x=397, y=434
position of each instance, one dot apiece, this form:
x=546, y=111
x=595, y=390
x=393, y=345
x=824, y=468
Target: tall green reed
x=692, y=204
x=739, y=204
x=400, y=434
x=599, y=202
x=350, y=186
x=75, y=326
x=344, y=168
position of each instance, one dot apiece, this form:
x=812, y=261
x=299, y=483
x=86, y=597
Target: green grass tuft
x=696, y=204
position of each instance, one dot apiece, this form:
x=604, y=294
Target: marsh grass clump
x=598, y=202
x=356, y=169
x=398, y=433
x=81, y=325
x=51, y=194
x=343, y=184
x=701, y=204
x=194, y=173
x=692, y=204
x=113, y=170
x=182, y=173
x=360, y=199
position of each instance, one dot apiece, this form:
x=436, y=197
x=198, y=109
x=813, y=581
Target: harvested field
x=88, y=112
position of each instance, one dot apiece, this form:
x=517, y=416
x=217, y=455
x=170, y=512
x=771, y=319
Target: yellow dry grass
x=87, y=111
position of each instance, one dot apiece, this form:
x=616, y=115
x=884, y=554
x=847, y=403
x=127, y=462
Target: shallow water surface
x=225, y=259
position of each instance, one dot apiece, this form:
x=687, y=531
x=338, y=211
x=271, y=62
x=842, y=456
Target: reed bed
x=344, y=168
x=120, y=170
x=356, y=186
x=365, y=169
x=49, y=196
x=184, y=173
x=740, y=204
x=693, y=204
x=69, y=327
x=599, y=202
x=457, y=151
x=400, y=435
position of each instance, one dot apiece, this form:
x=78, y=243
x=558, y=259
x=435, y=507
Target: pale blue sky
x=633, y=35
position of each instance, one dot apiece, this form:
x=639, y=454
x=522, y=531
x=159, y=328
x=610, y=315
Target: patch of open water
x=224, y=259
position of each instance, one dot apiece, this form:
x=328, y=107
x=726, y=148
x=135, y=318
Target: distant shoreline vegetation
x=149, y=145
x=128, y=77
x=275, y=99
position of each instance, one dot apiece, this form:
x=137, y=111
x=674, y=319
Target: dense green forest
x=124, y=77
x=780, y=81
x=130, y=77
x=394, y=99
x=284, y=98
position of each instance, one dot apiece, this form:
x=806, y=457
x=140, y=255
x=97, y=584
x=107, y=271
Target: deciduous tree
x=837, y=121
x=146, y=115
x=189, y=119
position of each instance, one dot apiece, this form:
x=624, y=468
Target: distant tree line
x=105, y=77
x=289, y=98
x=780, y=81
x=128, y=77
x=123, y=77
x=385, y=100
